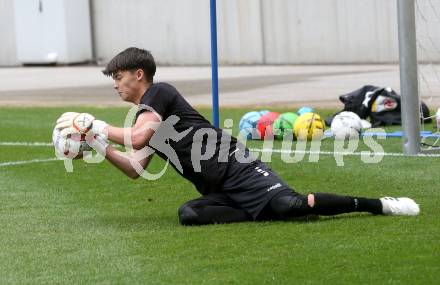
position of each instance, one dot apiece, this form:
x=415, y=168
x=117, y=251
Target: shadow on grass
x=316, y=218
x=154, y=222
x=133, y=222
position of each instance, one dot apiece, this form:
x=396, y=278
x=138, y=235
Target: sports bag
x=381, y=104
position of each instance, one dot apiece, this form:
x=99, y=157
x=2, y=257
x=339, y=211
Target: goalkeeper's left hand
x=82, y=123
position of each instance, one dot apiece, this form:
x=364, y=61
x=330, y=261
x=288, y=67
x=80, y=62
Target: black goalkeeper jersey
x=206, y=174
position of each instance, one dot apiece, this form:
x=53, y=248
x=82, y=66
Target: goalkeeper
x=234, y=187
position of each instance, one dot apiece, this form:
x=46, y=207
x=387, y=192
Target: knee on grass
x=187, y=215
x=291, y=205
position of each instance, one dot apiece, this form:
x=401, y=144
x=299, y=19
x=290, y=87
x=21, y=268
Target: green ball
x=283, y=124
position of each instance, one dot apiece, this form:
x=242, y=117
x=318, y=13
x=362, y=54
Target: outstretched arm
x=134, y=162
x=139, y=135
x=125, y=162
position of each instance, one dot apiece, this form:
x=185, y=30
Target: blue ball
x=304, y=110
x=248, y=122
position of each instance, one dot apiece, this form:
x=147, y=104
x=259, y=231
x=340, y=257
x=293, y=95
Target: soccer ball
x=83, y=122
x=309, y=126
x=284, y=124
x=346, y=125
x=248, y=123
x=71, y=147
x=265, y=124
x=305, y=109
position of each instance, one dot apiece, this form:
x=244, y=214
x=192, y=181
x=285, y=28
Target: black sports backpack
x=381, y=104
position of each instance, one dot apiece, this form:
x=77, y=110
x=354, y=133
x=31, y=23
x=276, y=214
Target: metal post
x=214, y=64
x=408, y=77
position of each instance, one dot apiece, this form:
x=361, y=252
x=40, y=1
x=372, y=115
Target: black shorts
x=250, y=186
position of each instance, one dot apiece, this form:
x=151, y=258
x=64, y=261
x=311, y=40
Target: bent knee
x=290, y=205
x=187, y=215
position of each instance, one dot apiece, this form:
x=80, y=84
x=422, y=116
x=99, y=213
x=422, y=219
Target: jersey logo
x=160, y=140
x=278, y=185
x=259, y=170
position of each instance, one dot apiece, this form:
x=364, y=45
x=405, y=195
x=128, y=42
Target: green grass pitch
x=95, y=226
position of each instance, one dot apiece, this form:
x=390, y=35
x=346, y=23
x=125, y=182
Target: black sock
x=373, y=206
x=330, y=204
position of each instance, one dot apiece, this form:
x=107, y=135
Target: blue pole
x=214, y=64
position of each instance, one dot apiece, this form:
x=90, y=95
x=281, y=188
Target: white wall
x=427, y=29
x=330, y=31
x=175, y=31
x=249, y=31
x=178, y=32
x=8, y=54
x=77, y=30
x=239, y=29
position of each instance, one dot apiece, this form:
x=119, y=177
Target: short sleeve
x=158, y=98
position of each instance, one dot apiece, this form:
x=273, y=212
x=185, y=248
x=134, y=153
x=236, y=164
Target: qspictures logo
x=205, y=147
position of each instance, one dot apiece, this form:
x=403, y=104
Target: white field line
x=28, y=144
x=21, y=162
x=25, y=144
x=288, y=151
x=44, y=144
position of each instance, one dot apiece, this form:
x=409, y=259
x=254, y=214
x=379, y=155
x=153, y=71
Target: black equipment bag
x=381, y=104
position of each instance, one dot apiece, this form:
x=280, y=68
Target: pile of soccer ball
x=304, y=124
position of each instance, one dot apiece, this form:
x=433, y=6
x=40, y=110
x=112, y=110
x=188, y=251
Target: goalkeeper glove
x=98, y=143
x=72, y=122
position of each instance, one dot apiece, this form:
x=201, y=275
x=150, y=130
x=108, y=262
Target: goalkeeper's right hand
x=98, y=143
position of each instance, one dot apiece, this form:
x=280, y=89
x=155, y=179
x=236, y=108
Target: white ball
x=346, y=125
x=83, y=122
x=365, y=124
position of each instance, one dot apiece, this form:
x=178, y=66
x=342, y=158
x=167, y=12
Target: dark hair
x=131, y=59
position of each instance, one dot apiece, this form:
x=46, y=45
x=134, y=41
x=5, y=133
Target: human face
x=130, y=85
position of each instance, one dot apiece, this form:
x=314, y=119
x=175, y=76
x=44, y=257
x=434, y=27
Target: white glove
x=98, y=143
x=98, y=128
x=66, y=120
x=72, y=122
x=59, y=142
x=68, y=146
